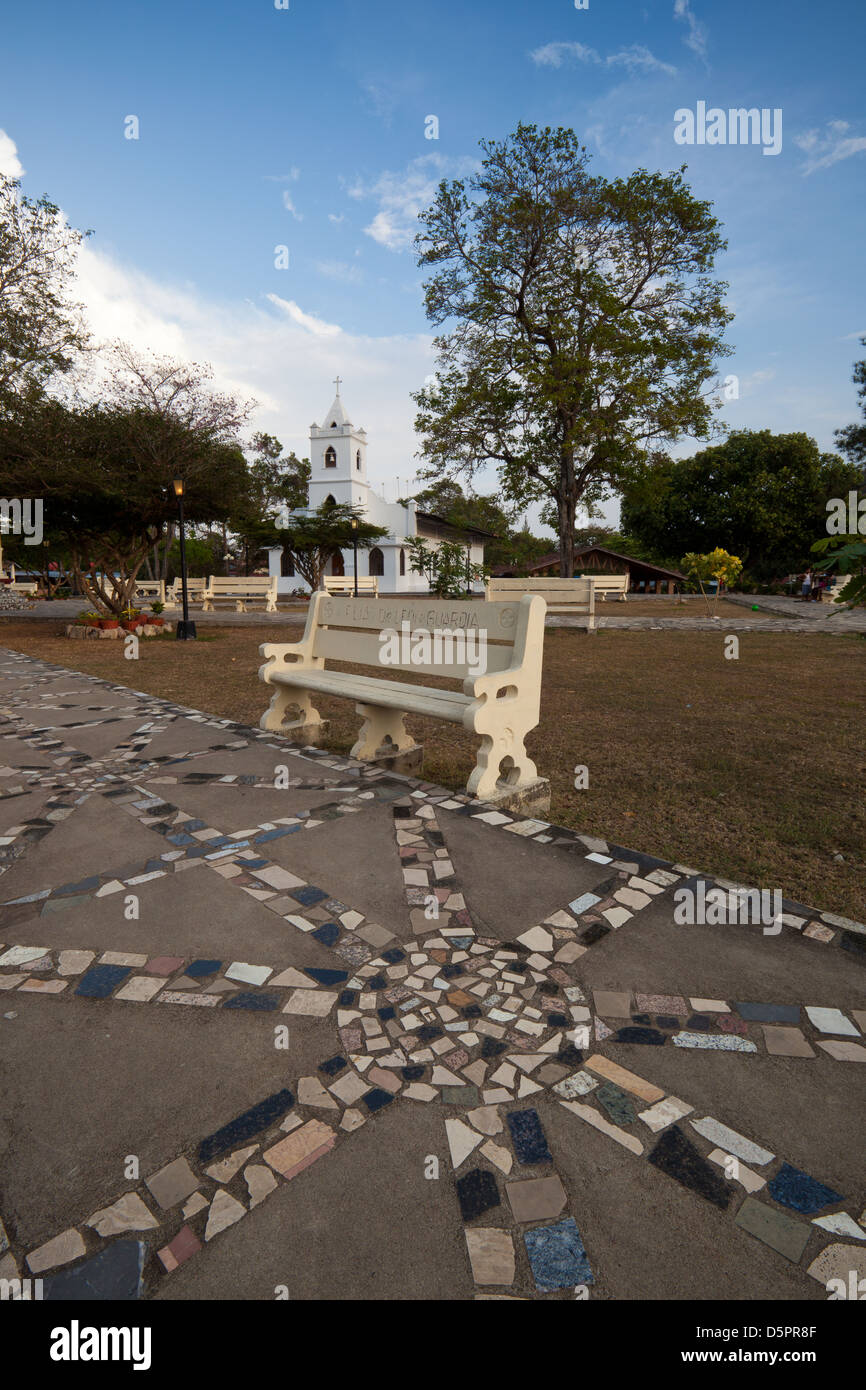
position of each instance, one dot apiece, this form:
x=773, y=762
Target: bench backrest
x=248, y=584
x=557, y=593
x=24, y=586
x=609, y=583
x=357, y=631
x=153, y=588
x=345, y=584
x=197, y=587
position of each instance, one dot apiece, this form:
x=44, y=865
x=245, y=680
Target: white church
x=338, y=470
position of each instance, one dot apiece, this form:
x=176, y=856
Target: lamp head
x=178, y=486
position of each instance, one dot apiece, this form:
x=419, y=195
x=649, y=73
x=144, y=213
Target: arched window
x=377, y=561
x=358, y=459
x=287, y=564
x=337, y=564
x=402, y=562
x=330, y=457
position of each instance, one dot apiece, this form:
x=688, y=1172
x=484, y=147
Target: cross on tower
x=337, y=381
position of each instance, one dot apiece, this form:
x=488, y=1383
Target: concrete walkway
x=800, y=617
x=468, y=1055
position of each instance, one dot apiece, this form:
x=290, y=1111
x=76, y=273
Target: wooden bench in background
x=243, y=590
x=345, y=584
x=502, y=705
x=572, y=596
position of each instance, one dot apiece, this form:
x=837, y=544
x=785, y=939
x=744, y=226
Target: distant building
x=338, y=470
x=643, y=577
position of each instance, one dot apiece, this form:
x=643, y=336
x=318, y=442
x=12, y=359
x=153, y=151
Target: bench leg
x=285, y=698
x=505, y=751
x=381, y=727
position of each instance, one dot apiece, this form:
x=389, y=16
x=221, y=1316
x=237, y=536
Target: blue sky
x=305, y=127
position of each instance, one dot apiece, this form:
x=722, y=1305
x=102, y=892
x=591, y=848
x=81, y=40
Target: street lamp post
x=469, y=571
x=185, y=629
x=355, y=550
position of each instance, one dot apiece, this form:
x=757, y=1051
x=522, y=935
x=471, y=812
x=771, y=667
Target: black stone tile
x=114, y=1275
x=675, y=1155
x=347, y=998
x=376, y=982
x=667, y=1021
x=558, y=1020
x=387, y=1013
x=326, y=977
x=490, y=1047
x=333, y=1066
x=527, y=1136
x=593, y=933
x=414, y=1072
x=471, y=1011
x=251, y=1122
x=699, y=1023
x=477, y=1193
x=639, y=1035
x=569, y=1055
x=377, y=1100
x=643, y=1019
x=428, y=1032
x=253, y=1001
x=328, y=933
x=394, y=955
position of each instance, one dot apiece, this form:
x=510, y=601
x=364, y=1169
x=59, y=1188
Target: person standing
x=807, y=586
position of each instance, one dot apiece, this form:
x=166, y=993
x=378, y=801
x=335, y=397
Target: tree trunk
x=567, y=516
x=567, y=513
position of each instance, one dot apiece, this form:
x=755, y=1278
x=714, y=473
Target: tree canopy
x=41, y=330
x=582, y=322
x=852, y=438
x=760, y=495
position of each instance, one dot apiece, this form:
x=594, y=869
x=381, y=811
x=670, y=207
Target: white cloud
x=294, y=173
x=271, y=350
x=635, y=58
x=696, y=39
x=826, y=149
x=340, y=270
x=318, y=327
x=402, y=196
x=332, y=217
x=289, y=205
x=10, y=164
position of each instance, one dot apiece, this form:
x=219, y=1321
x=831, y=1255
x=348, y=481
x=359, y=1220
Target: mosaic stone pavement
x=431, y=1008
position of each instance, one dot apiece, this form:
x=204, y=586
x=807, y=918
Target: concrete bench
x=28, y=587
x=243, y=590
x=572, y=596
x=196, y=592
x=368, y=585
x=501, y=705
x=614, y=584
x=152, y=589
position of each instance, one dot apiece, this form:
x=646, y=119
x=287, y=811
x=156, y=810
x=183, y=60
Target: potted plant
x=108, y=623
x=156, y=609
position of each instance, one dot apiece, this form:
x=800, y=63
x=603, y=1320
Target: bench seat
x=423, y=699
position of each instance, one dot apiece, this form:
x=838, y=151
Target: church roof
x=336, y=415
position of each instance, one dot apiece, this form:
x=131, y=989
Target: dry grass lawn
x=753, y=768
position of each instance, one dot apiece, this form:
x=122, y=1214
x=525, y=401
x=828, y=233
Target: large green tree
x=41, y=329
x=852, y=439
x=582, y=322
x=759, y=495
x=104, y=474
